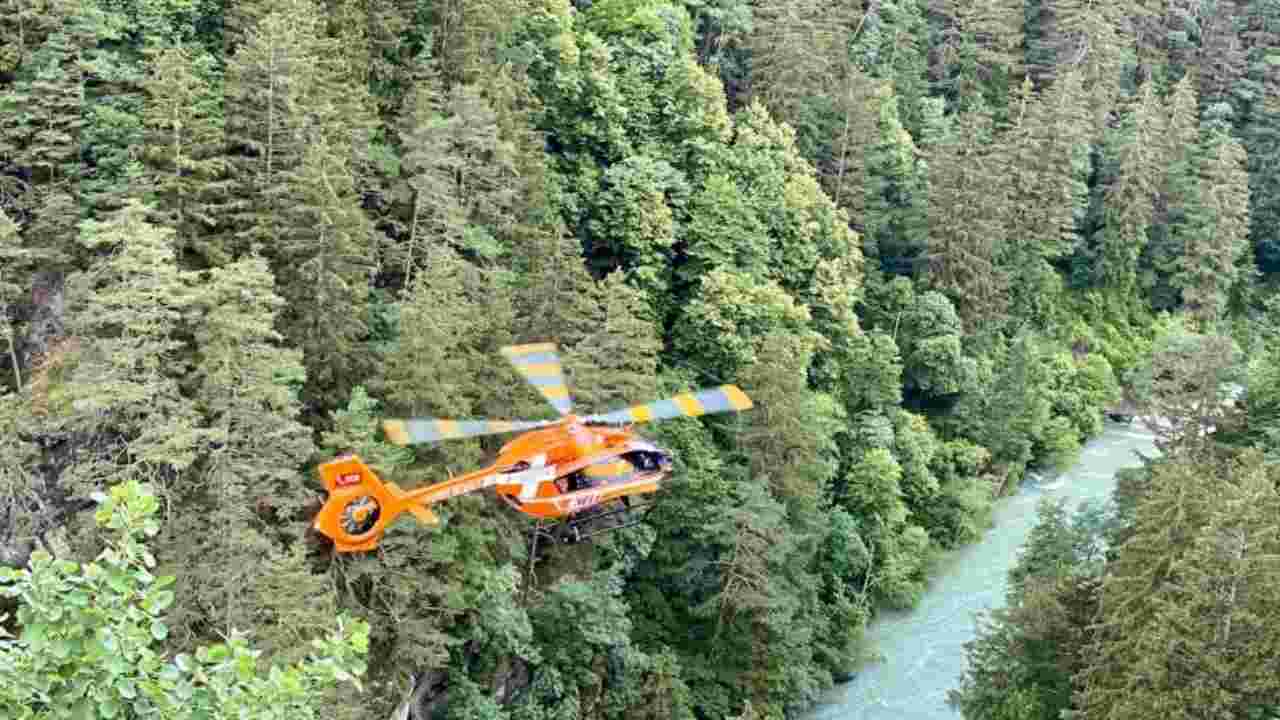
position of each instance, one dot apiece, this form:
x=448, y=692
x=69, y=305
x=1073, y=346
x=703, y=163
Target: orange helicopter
x=555, y=470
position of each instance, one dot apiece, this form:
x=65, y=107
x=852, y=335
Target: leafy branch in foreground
x=87, y=647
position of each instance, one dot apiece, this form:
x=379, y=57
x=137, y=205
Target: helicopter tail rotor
x=361, y=506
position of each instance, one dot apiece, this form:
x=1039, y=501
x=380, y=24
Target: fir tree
x=248, y=493
x=133, y=314
x=185, y=142
x=1045, y=189
x=266, y=91
x=1220, y=225
x=1129, y=205
x=796, y=48
x=325, y=272
x=965, y=227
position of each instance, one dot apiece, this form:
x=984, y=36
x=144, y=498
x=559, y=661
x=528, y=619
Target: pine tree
x=185, y=142
x=462, y=172
x=1210, y=260
x=965, y=226
x=1220, y=61
x=424, y=371
x=895, y=217
x=1089, y=38
x=1215, y=612
x=784, y=443
x=325, y=272
x=991, y=32
x=436, y=214
x=42, y=123
x=556, y=298
x=1168, y=235
x=267, y=90
x=1129, y=203
x=133, y=312
x=249, y=495
x=750, y=607
x=796, y=48
x=1183, y=615
x=1166, y=522
x=1046, y=155
x=1261, y=132
x=468, y=34
x=845, y=176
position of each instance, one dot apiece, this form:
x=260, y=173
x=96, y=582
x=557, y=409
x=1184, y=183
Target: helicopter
x=558, y=470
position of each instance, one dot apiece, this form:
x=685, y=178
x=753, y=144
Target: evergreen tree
x=988, y=37
x=267, y=91
x=133, y=314
x=796, y=49
x=1089, y=36
x=965, y=226
x=248, y=495
x=1186, y=580
x=786, y=444
x=185, y=142
x=1221, y=61
x=1129, y=205
x=1179, y=188
x=431, y=357
x=1261, y=132
x=1214, y=611
x=324, y=274
x=1220, y=225
x=1045, y=189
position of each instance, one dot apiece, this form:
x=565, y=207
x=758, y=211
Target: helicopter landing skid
x=570, y=531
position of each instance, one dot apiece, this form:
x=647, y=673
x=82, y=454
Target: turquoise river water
x=922, y=649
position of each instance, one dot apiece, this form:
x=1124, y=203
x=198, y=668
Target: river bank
x=922, y=649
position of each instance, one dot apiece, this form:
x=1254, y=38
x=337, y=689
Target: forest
x=935, y=241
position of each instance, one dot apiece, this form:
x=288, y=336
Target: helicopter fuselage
x=565, y=469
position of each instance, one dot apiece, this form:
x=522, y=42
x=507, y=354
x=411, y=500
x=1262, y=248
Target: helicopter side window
x=579, y=481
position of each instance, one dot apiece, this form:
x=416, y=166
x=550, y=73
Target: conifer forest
x=937, y=242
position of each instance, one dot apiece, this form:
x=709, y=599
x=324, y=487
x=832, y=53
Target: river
x=922, y=649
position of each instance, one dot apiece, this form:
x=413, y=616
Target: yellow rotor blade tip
x=737, y=398
x=396, y=431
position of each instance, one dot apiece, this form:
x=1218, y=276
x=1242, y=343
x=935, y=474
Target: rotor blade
x=413, y=431
x=726, y=398
x=540, y=366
